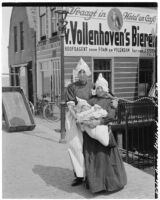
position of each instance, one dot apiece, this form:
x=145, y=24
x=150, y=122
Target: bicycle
x=51, y=111
x=40, y=106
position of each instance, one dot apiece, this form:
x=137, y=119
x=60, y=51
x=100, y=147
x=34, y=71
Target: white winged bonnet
x=82, y=65
x=102, y=82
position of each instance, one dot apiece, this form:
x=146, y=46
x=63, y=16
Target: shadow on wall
x=60, y=178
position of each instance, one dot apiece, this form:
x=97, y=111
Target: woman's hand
x=115, y=103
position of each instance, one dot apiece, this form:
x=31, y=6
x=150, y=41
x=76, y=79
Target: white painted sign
x=101, y=32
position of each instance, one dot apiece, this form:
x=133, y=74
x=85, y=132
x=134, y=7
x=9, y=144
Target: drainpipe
x=34, y=72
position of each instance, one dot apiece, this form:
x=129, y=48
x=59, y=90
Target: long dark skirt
x=104, y=167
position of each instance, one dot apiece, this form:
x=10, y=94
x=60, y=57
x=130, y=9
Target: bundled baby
x=85, y=113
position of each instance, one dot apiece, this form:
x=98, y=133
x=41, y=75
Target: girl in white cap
x=103, y=165
x=82, y=89
x=103, y=83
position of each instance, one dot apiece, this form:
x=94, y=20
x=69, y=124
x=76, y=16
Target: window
x=15, y=76
x=21, y=36
x=43, y=27
x=46, y=79
x=12, y=75
x=145, y=76
x=56, y=74
x=17, y=69
x=15, y=39
x=102, y=66
x=54, y=22
x=46, y=83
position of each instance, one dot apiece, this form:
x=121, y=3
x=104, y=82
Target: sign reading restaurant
x=110, y=31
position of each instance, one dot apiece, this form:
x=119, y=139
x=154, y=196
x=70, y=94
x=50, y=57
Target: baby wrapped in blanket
x=86, y=113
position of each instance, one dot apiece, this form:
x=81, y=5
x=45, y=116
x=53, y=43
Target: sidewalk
x=36, y=165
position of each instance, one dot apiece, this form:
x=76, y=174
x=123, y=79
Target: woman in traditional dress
x=82, y=89
x=103, y=165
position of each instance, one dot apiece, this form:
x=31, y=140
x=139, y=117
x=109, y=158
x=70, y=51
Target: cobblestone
x=36, y=165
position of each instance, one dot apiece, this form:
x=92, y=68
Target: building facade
x=118, y=42
x=48, y=53
x=22, y=50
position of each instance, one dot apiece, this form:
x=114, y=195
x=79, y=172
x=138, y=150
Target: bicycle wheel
x=51, y=112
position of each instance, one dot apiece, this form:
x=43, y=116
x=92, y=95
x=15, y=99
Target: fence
x=135, y=130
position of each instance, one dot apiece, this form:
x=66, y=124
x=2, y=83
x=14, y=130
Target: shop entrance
x=103, y=66
x=50, y=79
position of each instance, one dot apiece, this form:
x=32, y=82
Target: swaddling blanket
x=85, y=112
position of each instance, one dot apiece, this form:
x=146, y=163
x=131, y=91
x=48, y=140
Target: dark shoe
x=77, y=181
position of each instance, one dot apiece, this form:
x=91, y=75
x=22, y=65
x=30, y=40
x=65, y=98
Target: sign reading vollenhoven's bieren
x=95, y=31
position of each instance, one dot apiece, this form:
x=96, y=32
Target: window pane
x=145, y=76
x=43, y=25
x=17, y=76
x=102, y=64
x=15, y=38
x=21, y=36
x=107, y=76
x=54, y=21
x=12, y=76
x=146, y=65
x=46, y=81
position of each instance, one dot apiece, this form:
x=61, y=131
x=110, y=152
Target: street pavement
x=35, y=165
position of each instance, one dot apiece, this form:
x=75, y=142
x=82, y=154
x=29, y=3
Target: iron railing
x=135, y=130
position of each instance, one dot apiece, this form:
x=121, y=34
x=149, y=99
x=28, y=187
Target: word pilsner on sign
x=111, y=31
